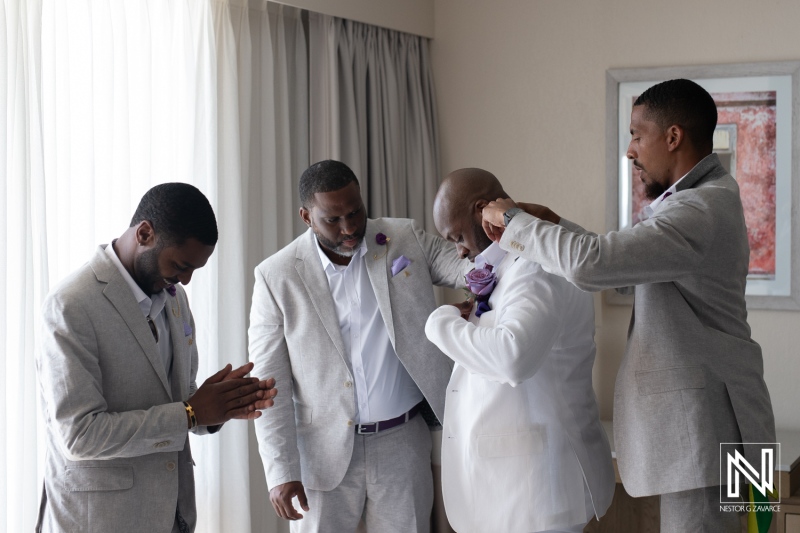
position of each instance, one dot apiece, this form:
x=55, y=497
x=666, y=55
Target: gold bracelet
x=191, y=415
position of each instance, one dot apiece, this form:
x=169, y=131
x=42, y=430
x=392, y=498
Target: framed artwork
x=756, y=138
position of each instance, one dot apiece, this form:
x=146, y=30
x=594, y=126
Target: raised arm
x=447, y=268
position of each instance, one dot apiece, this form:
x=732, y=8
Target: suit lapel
x=120, y=296
x=309, y=269
x=181, y=356
x=377, y=260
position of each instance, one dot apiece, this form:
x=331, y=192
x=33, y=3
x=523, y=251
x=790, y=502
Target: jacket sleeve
x=446, y=267
x=276, y=430
x=521, y=336
x=71, y=382
x=662, y=248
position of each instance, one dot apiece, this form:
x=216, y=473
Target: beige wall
x=521, y=92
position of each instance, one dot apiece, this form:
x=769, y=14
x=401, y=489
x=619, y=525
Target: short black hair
x=178, y=212
x=325, y=176
x=685, y=103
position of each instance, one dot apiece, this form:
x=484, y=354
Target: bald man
x=523, y=449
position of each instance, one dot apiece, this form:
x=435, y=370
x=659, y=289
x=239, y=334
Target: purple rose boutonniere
x=172, y=290
x=480, y=284
x=381, y=240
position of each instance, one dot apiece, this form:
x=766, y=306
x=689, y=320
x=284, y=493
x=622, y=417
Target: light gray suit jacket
x=118, y=456
x=691, y=377
x=294, y=337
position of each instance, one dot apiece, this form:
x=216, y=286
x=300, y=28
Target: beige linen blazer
x=294, y=336
x=691, y=377
x=118, y=456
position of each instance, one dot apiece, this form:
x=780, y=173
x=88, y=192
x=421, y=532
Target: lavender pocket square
x=187, y=329
x=399, y=264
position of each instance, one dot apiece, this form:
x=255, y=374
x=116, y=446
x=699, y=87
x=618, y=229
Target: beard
x=148, y=275
x=338, y=247
x=482, y=241
x=653, y=190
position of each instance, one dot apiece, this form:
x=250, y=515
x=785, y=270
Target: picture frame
x=769, y=91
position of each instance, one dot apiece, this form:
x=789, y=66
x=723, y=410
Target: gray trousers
x=388, y=483
x=697, y=511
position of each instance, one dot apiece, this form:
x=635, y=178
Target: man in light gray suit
x=117, y=371
x=692, y=377
x=338, y=316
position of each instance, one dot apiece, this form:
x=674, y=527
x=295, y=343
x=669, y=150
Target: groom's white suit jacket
x=523, y=448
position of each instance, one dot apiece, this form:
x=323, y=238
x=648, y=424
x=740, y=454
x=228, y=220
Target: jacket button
x=171, y=466
x=348, y=384
x=349, y=422
x=161, y=444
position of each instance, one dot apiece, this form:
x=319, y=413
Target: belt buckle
x=364, y=429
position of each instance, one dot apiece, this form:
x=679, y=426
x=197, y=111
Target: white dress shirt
x=152, y=306
x=383, y=387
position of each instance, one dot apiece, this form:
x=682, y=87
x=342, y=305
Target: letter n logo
x=735, y=470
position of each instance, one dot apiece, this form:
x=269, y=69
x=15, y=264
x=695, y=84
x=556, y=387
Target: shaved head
x=458, y=204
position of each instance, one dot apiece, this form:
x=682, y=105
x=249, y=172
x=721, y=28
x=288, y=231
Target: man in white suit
x=338, y=316
x=117, y=371
x=692, y=377
x=523, y=448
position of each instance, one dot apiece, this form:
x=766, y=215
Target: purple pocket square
x=399, y=264
x=187, y=329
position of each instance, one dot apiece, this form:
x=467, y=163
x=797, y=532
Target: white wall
x=521, y=92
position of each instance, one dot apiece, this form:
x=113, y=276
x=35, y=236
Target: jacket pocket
x=91, y=478
x=670, y=379
x=510, y=445
x=302, y=414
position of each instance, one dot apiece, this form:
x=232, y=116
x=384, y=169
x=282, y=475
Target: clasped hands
x=228, y=394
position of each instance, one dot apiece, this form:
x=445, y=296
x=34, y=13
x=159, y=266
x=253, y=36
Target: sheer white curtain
x=100, y=100
x=373, y=107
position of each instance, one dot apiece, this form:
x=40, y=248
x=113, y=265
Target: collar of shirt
x=149, y=305
x=493, y=255
x=651, y=209
x=328, y=264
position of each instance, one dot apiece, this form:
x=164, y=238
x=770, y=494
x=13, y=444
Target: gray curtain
x=372, y=106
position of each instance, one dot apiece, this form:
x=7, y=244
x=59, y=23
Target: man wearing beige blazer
x=523, y=448
x=692, y=377
x=338, y=316
x=117, y=371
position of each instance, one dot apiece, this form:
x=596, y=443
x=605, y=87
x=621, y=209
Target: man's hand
x=493, y=223
x=219, y=399
x=465, y=308
x=281, y=499
x=267, y=402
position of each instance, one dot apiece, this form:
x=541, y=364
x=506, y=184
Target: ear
x=675, y=137
x=145, y=234
x=306, y=216
x=480, y=204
